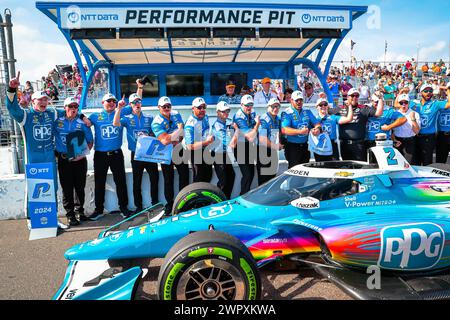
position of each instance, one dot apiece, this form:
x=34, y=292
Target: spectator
x=309, y=95
x=230, y=97
x=263, y=96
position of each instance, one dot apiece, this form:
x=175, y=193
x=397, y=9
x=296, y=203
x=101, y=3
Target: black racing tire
x=440, y=166
x=197, y=195
x=224, y=269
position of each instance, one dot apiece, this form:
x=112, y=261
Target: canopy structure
x=175, y=37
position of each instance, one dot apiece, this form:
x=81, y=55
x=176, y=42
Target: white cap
x=39, y=95
x=246, y=99
x=222, y=106
x=273, y=101
x=133, y=97
x=321, y=100
x=425, y=85
x=70, y=100
x=403, y=97
x=297, y=95
x=109, y=96
x=352, y=91
x=375, y=98
x=198, y=102
x=163, y=101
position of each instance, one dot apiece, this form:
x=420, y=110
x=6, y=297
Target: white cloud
x=432, y=52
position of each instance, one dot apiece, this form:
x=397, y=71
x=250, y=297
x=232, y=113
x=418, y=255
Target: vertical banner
x=41, y=197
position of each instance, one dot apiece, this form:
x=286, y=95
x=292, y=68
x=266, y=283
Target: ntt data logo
x=73, y=16
x=306, y=18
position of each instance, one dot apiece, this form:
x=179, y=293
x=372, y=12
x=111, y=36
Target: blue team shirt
x=162, y=125
x=329, y=125
x=374, y=124
x=196, y=129
x=334, y=88
x=297, y=120
x=444, y=120
x=270, y=127
x=135, y=126
x=107, y=136
x=222, y=135
x=244, y=122
x=63, y=126
x=428, y=114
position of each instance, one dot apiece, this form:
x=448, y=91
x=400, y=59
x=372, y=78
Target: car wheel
x=209, y=265
x=197, y=195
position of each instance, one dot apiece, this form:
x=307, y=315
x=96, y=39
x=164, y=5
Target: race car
x=346, y=219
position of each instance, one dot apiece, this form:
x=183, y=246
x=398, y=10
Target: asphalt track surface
x=34, y=270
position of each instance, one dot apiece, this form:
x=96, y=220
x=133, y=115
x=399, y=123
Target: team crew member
x=443, y=136
x=389, y=119
x=329, y=124
x=403, y=136
x=167, y=127
x=269, y=141
x=264, y=96
x=72, y=172
x=230, y=96
x=352, y=134
x=137, y=123
x=295, y=125
x=224, y=141
x=197, y=138
x=428, y=110
x=108, y=154
x=246, y=153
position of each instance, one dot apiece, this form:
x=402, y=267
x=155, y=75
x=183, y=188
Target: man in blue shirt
x=428, y=109
x=108, y=154
x=167, y=127
x=246, y=154
x=296, y=123
x=443, y=136
x=137, y=124
x=197, y=138
x=72, y=172
x=230, y=96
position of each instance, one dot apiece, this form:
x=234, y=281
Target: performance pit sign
x=75, y=17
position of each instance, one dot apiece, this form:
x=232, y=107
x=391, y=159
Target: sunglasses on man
x=111, y=100
x=323, y=105
x=201, y=107
x=404, y=103
x=354, y=95
x=72, y=106
x=427, y=91
x=166, y=107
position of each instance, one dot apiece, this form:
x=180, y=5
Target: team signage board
x=149, y=149
x=74, y=17
x=41, y=197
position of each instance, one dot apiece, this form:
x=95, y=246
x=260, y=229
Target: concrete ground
x=34, y=270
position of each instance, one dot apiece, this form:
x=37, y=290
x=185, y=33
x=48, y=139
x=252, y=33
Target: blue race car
x=342, y=218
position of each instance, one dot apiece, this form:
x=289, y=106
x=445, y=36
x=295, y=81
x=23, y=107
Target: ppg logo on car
x=109, y=132
x=42, y=133
x=411, y=246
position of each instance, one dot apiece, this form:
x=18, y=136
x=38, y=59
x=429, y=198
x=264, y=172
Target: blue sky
x=404, y=24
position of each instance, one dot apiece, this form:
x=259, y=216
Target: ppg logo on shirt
x=42, y=133
x=411, y=246
x=424, y=121
x=109, y=132
x=374, y=126
x=444, y=120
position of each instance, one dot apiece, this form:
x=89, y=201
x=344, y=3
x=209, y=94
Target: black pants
x=225, y=174
x=424, y=149
x=114, y=161
x=201, y=171
x=72, y=177
x=169, y=176
x=407, y=148
x=442, y=146
x=272, y=156
x=138, y=171
x=296, y=153
x=353, y=150
x=332, y=157
x=247, y=164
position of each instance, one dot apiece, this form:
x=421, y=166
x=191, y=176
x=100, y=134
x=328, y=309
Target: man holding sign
x=167, y=127
x=71, y=134
x=138, y=124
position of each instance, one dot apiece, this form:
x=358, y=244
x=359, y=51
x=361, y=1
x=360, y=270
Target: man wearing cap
x=168, y=127
x=403, y=136
x=269, y=142
x=385, y=123
x=443, y=136
x=72, y=172
x=108, y=154
x=352, y=135
x=329, y=124
x=428, y=109
x=224, y=141
x=309, y=95
x=334, y=88
x=263, y=96
x=197, y=138
x=137, y=124
x=295, y=125
x=246, y=153
x=230, y=97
